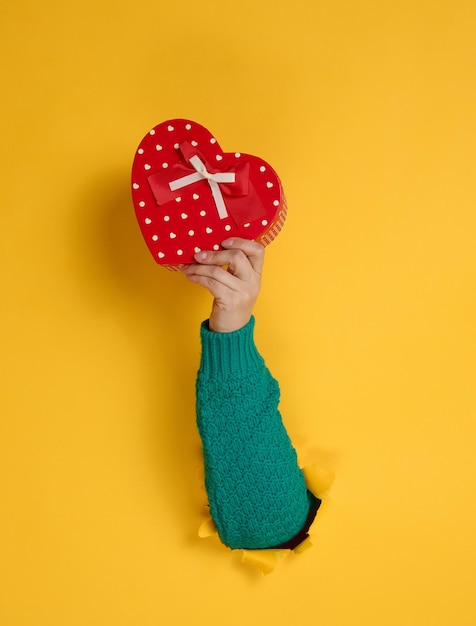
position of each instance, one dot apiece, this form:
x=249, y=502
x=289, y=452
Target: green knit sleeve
x=256, y=490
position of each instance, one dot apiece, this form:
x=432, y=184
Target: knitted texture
x=256, y=490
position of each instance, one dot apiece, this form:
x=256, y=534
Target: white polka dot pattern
x=177, y=224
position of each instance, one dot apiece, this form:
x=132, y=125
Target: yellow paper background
x=366, y=108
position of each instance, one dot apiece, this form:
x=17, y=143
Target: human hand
x=235, y=288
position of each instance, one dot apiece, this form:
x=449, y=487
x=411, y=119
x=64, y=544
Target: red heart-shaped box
x=189, y=195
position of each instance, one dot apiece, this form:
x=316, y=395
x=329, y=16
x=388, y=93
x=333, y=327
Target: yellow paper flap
x=318, y=480
x=207, y=528
x=264, y=560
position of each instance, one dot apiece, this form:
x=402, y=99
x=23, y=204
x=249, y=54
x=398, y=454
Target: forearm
x=257, y=494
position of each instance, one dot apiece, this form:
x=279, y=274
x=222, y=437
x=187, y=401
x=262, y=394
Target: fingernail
x=200, y=256
x=228, y=242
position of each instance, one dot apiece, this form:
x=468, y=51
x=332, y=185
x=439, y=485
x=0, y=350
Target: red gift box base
x=182, y=204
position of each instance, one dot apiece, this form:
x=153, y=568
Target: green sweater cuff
x=226, y=355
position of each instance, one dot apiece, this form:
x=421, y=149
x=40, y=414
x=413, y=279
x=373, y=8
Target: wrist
x=217, y=324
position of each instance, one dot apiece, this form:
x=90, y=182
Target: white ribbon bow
x=201, y=173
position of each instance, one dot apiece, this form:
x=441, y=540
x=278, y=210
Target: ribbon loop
x=201, y=173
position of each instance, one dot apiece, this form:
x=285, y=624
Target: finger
x=253, y=250
x=236, y=260
x=217, y=288
x=212, y=273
